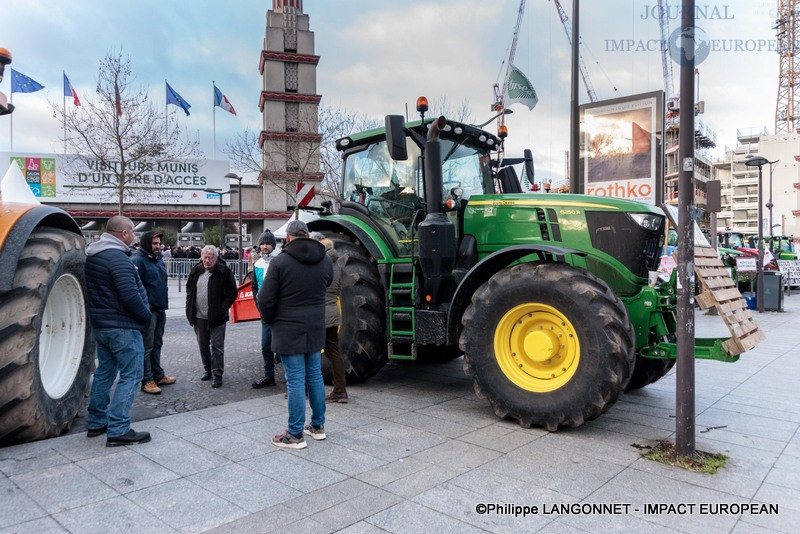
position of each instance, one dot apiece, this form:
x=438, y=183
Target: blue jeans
x=119, y=350
x=304, y=370
x=266, y=351
x=153, y=340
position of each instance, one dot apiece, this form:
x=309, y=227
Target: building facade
x=290, y=137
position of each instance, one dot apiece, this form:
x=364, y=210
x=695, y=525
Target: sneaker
x=263, y=383
x=288, y=441
x=94, y=432
x=129, y=438
x=316, y=432
x=167, y=380
x=151, y=388
x=337, y=397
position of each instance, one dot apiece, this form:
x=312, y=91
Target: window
x=290, y=73
x=292, y=116
x=292, y=156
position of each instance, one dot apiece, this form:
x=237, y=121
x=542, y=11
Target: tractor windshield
x=393, y=190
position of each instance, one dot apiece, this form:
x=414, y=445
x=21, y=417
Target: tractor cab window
x=466, y=168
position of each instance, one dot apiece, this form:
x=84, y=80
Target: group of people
x=296, y=293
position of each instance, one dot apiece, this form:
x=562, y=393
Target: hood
x=107, y=242
x=305, y=250
x=146, y=245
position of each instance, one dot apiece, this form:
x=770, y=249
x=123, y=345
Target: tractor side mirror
x=396, y=137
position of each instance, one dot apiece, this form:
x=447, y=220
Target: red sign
x=305, y=194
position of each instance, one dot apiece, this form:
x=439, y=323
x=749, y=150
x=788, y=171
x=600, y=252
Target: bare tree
x=461, y=112
x=120, y=137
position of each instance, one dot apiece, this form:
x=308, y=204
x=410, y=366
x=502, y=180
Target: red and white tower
x=787, y=26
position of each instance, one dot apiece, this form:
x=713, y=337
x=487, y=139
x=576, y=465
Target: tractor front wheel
x=547, y=344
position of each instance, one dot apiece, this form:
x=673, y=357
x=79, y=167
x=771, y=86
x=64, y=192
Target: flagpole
x=64, y=98
x=11, y=121
x=214, y=120
x=166, y=113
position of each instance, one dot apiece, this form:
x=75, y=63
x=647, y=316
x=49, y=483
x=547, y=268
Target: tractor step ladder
x=402, y=324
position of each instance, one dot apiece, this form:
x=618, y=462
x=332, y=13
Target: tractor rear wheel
x=547, y=344
x=46, y=346
x=647, y=371
x=363, y=308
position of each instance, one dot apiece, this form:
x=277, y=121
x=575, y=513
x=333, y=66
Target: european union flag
x=175, y=98
x=22, y=84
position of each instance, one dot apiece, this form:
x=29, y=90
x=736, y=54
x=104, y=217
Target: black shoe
x=264, y=383
x=216, y=383
x=94, y=432
x=130, y=438
x=206, y=376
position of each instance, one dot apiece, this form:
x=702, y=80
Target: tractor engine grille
x=621, y=237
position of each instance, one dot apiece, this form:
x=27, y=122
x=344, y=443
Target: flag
x=22, y=84
x=520, y=90
x=222, y=101
x=70, y=91
x=175, y=98
x=117, y=100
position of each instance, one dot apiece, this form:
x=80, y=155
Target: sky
x=377, y=56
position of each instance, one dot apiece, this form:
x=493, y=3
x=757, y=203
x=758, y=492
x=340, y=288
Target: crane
x=581, y=66
x=499, y=95
x=666, y=62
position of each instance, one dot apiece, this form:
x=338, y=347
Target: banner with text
x=65, y=179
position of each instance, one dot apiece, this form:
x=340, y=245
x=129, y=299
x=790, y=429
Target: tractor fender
x=487, y=267
x=350, y=228
x=18, y=234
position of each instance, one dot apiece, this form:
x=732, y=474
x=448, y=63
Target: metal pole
x=221, y=242
x=760, y=265
x=241, y=252
x=574, y=112
x=769, y=204
x=684, y=393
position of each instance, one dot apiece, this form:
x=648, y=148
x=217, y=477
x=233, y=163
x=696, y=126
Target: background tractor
x=46, y=345
x=546, y=295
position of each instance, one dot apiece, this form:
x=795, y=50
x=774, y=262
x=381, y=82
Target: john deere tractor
x=546, y=295
x=46, y=345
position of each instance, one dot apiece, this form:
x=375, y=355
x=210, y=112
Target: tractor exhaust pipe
x=433, y=167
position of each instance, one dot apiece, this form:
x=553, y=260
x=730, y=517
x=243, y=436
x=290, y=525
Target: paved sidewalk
x=416, y=451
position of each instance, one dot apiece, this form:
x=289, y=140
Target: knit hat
x=266, y=238
x=297, y=228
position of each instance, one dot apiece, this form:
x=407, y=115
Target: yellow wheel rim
x=536, y=347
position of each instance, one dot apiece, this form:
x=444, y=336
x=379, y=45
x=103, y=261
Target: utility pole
x=574, y=113
x=684, y=394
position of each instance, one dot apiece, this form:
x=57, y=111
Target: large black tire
x=361, y=335
x=46, y=353
x=547, y=344
x=647, y=371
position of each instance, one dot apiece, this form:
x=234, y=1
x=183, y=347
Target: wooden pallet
x=720, y=292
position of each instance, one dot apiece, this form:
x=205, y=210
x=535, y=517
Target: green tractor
x=546, y=295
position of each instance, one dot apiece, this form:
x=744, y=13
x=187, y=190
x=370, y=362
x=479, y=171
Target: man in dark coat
x=119, y=313
x=210, y=292
x=292, y=302
x=154, y=279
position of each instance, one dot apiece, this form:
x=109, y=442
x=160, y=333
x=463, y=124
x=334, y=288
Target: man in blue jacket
x=292, y=302
x=119, y=312
x=153, y=274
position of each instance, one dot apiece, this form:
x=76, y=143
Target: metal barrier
x=179, y=268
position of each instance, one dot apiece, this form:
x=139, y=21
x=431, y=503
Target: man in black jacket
x=119, y=312
x=210, y=292
x=292, y=302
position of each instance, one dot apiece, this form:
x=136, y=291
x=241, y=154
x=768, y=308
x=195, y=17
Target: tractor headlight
x=648, y=221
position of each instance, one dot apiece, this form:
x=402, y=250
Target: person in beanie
x=332, y=320
x=266, y=243
x=153, y=274
x=292, y=302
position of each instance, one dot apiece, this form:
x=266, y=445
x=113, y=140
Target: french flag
x=70, y=91
x=222, y=101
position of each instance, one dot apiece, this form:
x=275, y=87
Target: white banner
x=64, y=179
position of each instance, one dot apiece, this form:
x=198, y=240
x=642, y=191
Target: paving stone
x=787, y=520
x=785, y=472
x=420, y=481
x=557, y=527
x=337, y=457
x=388, y=473
x=128, y=471
x=432, y=424
x=501, y=438
x=292, y=470
x=62, y=487
x=630, y=522
x=784, y=497
x=184, y=424
x=415, y=438
x=755, y=425
x=181, y=456
x=227, y=415
x=324, y=498
x=43, y=525
x=590, y=441
x=259, y=430
x=372, y=444
x=272, y=519
x=412, y=517
x=16, y=506
x=351, y=511
x=472, y=414
x=186, y=506
x=352, y=416
x=500, y=488
x=232, y=445
x=457, y=455
x=117, y=514
x=22, y=459
x=78, y=447
x=244, y=487
x=362, y=527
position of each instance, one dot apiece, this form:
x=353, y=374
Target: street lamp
x=220, y=193
x=234, y=176
x=759, y=161
x=505, y=111
x=769, y=202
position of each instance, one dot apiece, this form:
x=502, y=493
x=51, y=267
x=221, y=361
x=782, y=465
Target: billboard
x=621, y=148
x=65, y=179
